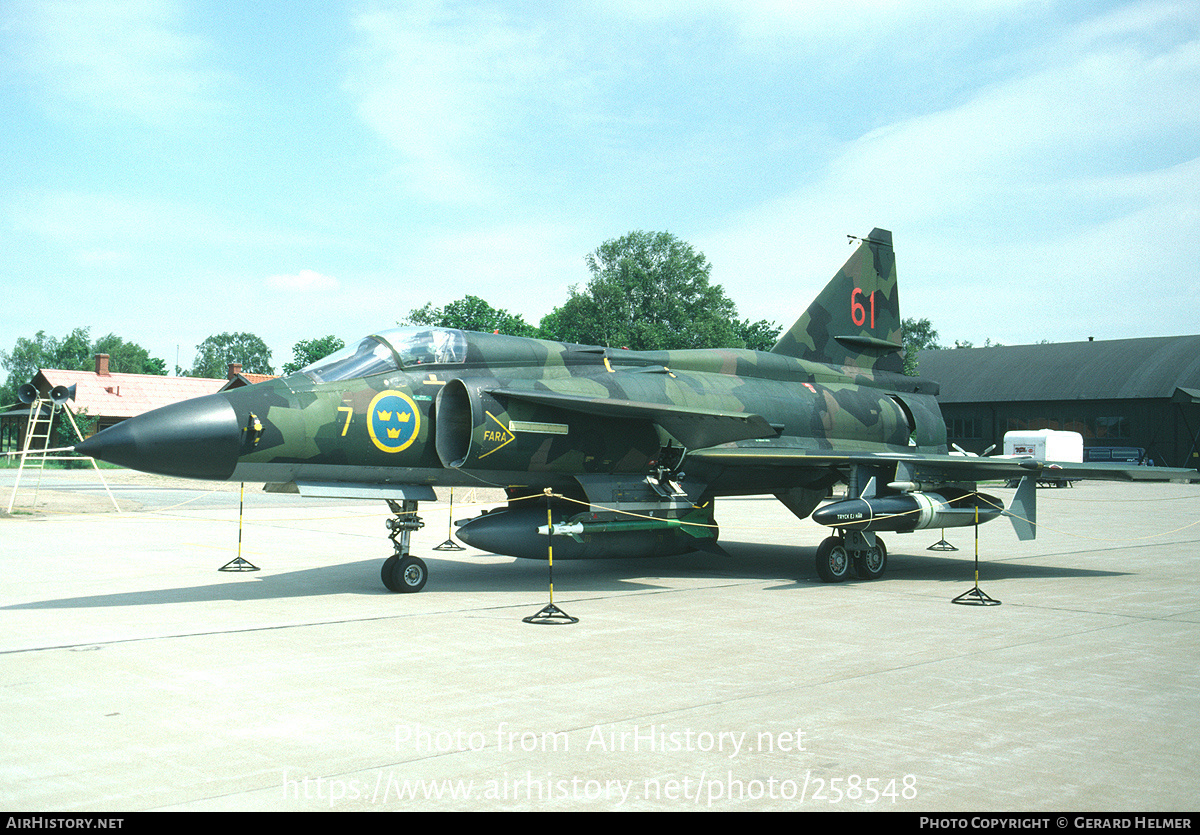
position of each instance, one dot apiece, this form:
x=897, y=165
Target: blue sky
x=172, y=169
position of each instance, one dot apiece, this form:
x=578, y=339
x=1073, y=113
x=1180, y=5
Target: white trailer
x=1046, y=445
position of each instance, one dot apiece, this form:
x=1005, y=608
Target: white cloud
x=1010, y=146
x=855, y=29
x=442, y=88
x=121, y=57
x=1045, y=189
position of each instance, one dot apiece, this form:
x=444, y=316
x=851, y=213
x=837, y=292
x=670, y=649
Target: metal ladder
x=39, y=429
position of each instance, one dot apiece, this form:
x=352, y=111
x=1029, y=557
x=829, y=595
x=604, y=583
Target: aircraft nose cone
x=197, y=438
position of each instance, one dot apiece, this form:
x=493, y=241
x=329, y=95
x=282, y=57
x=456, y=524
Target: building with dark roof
x=1141, y=393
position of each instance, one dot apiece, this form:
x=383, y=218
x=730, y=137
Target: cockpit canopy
x=391, y=350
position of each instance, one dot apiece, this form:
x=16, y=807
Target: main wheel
x=873, y=562
x=833, y=561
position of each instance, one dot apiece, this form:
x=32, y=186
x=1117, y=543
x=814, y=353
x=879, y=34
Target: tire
x=873, y=562
x=388, y=572
x=833, y=561
x=410, y=575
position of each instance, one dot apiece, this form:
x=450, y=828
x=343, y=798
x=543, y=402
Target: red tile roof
x=126, y=395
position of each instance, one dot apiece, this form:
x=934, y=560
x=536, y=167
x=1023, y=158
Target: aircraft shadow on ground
x=799, y=562
x=746, y=561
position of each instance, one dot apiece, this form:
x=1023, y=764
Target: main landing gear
x=862, y=551
x=403, y=572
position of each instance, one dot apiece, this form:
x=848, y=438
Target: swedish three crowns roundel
x=393, y=421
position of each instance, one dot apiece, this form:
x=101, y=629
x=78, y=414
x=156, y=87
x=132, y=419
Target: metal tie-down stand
x=550, y=613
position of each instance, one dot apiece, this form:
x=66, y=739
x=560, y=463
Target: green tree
x=128, y=357
x=648, y=291
x=470, y=313
x=64, y=433
x=574, y=321
x=918, y=335
x=758, y=336
x=217, y=352
x=72, y=353
x=307, y=351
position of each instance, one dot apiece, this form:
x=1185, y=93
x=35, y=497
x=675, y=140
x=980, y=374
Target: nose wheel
x=404, y=574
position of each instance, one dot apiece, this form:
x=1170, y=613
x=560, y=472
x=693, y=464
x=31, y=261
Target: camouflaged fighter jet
x=620, y=453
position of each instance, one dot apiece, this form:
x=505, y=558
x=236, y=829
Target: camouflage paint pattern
x=525, y=411
x=641, y=441
x=859, y=309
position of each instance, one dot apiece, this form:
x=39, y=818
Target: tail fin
x=855, y=321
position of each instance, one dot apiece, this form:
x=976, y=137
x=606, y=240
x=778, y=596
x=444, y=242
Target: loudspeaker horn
x=27, y=393
x=61, y=394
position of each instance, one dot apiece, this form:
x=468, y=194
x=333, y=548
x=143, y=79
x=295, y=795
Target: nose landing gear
x=403, y=572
